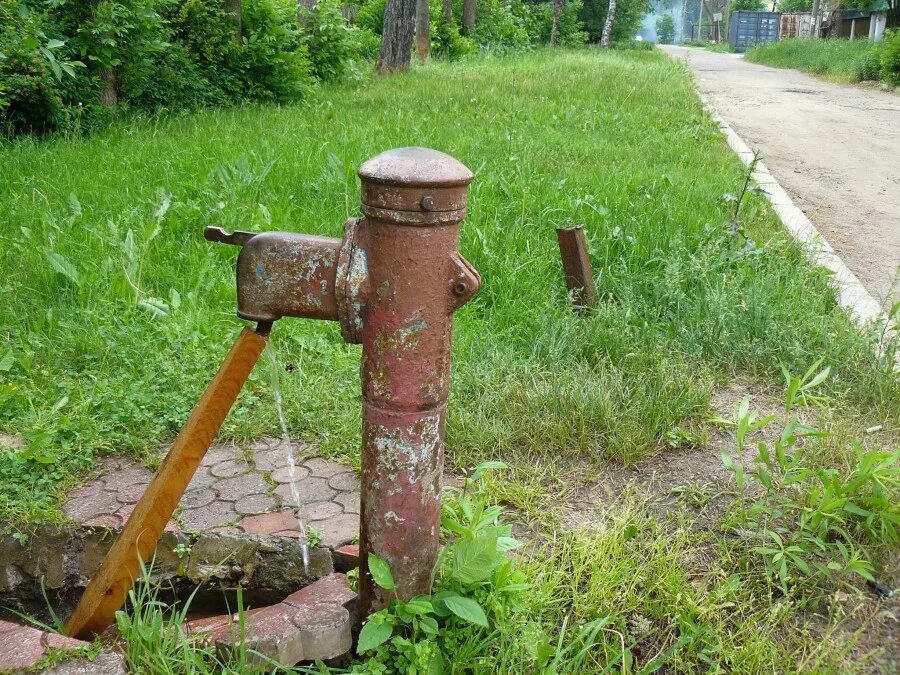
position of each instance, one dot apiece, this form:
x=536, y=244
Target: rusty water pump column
x=393, y=282
x=413, y=200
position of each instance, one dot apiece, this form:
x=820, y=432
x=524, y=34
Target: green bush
x=665, y=28
x=571, y=29
x=30, y=93
x=157, y=54
x=837, y=59
x=629, y=15
x=890, y=57
x=332, y=42
x=795, y=5
x=371, y=16
x=447, y=42
x=869, y=68
x=748, y=5
x=503, y=26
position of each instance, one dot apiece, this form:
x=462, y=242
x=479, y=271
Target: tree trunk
x=397, y=36
x=305, y=10
x=109, y=95
x=448, y=11
x=468, y=17
x=235, y=10
x=554, y=28
x=606, y=36
x=423, y=31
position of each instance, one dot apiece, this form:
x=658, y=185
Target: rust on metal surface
x=577, y=266
x=286, y=274
x=109, y=587
x=416, y=280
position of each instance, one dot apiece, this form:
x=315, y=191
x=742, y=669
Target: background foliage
x=58, y=56
x=836, y=59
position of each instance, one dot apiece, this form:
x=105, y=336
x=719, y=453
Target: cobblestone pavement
x=237, y=489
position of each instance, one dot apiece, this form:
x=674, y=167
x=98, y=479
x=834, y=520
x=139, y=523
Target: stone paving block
x=270, y=460
x=264, y=443
x=86, y=491
x=338, y=531
x=326, y=468
x=220, y=453
x=214, y=627
x=130, y=494
x=212, y=515
x=229, y=468
x=124, y=513
x=194, y=499
x=100, y=503
x=283, y=475
x=330, y=590
x=233, y=489
x=135, y=473
x=202, y=479
x=254, y=504
x=349, y=501
x=311, y=490
x=344, y=482
x=320, y=511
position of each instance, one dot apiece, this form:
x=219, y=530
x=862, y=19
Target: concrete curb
x=852, y=295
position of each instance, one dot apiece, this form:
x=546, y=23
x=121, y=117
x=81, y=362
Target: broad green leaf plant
x=811, y=522
x=476, y=586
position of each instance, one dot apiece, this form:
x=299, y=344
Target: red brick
x=22, y=646
x=289, y=634
x=216, y=627
x=110, y=521
x=346, y=558
x=332, y=589
x=269, y=523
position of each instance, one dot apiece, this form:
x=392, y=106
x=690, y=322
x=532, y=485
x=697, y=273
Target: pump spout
x=284, y=274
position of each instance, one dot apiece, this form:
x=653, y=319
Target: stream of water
x=275, y=374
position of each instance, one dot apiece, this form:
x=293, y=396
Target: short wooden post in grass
x=577, y=267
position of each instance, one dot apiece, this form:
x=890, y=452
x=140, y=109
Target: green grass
x=633, y=594
x=722, y=47
x=617, y=141
x=839, y=60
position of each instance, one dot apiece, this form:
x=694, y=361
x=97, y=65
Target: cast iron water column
x=393, y=282
x=413, y=200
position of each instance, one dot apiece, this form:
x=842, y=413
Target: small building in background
x=865, y=23
x=752, y=28
x=795, y=24
x=878, y=21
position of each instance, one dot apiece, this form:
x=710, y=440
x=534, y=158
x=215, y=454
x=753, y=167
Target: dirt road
x=834, y=148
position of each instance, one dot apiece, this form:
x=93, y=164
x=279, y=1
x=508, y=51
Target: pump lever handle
x=236, y=238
